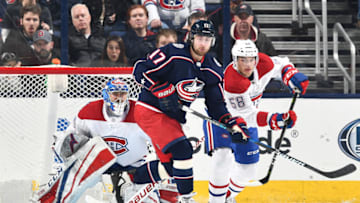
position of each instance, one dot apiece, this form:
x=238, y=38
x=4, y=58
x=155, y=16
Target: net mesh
x=79, y=86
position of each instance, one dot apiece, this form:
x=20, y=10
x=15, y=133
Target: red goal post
x=35, y=102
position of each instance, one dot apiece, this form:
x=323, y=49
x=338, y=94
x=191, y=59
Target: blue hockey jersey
x=173, y=63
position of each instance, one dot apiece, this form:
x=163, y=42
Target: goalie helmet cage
x=36, y=102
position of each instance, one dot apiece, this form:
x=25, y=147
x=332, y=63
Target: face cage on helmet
x=118, y=108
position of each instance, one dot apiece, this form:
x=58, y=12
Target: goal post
x=34, y=103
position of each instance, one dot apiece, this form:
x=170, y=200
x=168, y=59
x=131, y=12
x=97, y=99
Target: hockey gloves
x=277, y=120
x=166, y=93
x=295, y=80
x=241, y=132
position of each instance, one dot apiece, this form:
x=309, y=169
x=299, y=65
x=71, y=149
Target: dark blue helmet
x=203, y=27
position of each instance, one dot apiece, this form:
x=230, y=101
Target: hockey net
x=35, y=102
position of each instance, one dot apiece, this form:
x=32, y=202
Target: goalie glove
x=238, y=124
x=295, y=80
x=277, y=120
x=167, y=96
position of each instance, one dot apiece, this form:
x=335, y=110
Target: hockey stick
x=329, y=174
x=267, y=177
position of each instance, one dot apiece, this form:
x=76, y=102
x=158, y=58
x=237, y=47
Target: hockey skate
x=188, y=198
x=230, y=200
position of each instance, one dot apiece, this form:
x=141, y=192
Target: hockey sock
x=241, y=173
x=182, y=166
x=144, y=174
x=221, y=161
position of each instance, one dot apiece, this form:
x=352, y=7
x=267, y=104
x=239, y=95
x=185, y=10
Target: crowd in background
x=112, y=32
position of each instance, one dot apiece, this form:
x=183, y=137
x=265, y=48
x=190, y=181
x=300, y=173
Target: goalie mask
x=115, y=95
x=244, y=48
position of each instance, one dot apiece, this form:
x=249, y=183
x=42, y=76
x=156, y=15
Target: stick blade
x=340, y=172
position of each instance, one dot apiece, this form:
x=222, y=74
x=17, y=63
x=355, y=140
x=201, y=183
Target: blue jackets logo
x=188, y=90
x=349, y=139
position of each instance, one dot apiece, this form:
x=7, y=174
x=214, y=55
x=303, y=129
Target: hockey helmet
x=203, y=28
x=244, y=48
x=116, y=87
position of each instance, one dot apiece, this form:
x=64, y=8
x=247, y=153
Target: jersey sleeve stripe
x=212, y=71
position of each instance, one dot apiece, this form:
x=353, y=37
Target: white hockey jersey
x=243, y=95
x=175, y=11
x=123, y=135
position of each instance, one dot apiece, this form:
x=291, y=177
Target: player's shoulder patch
x=265, y=64
x=178, y=45
x=234, y=82
x=92, y=111
x=212, y=66
x=216, y=62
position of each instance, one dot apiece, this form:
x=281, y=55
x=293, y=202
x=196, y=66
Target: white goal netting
x=33, y=106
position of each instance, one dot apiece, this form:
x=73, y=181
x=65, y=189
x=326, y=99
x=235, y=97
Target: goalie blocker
x=82, y=168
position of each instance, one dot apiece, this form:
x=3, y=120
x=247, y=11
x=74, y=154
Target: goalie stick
x=329, y=174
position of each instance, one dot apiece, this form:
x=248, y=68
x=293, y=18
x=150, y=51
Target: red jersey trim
x=234, y=82
x=92, y=111
x=265, y=65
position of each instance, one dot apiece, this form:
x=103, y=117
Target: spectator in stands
x=20, y=41
x=171, y=14
x=54, y=7
x=165, y=36
x=114, y=54
x=243, y=29
x=184, y=32
x=43, y=47
x=115, y=17
x=86, y=43
x=95, y=8
x=12, y=19
x=9, y=59
x=217, y=18
x=139, y=41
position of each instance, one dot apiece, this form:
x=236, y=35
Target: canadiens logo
x=117, y=144
x=172, y=4
x=188, y=90
x=349, y=140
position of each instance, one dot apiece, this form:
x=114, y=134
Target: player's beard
x=198, y=51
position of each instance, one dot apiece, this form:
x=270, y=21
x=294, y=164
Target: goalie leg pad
x=91, y=161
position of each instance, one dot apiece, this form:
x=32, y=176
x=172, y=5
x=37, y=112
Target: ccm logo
x=141, y=196
x=289, y=74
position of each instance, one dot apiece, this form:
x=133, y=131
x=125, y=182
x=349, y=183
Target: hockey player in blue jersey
x=175, y=75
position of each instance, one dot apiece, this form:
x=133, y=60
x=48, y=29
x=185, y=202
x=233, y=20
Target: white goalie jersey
x=243, y=94
x=122, y=134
